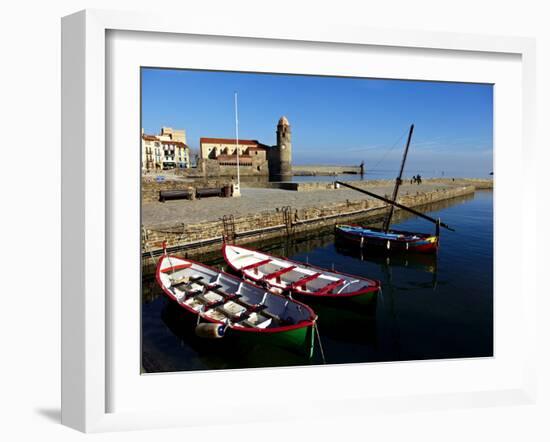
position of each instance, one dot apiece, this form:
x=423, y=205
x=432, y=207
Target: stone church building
x=218, y=156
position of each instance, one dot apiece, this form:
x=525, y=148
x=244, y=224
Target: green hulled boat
x=227, y=306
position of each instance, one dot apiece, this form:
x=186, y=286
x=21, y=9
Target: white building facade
x=165, y=151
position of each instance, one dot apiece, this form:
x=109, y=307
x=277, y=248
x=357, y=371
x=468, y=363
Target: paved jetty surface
x=255, y=200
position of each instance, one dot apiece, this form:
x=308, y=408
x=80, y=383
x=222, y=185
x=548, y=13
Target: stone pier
x=197, y=226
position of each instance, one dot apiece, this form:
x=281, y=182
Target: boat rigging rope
x=316, y=327
x=388, y=151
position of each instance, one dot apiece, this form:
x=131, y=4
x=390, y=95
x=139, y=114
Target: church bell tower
x=281, y=160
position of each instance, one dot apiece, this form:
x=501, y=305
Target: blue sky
x=334, y=120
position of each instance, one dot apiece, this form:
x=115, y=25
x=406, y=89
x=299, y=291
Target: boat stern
x=429, y=244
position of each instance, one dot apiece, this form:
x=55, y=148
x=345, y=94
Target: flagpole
x=237, y=190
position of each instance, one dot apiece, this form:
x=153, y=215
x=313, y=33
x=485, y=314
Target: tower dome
x=283, y=121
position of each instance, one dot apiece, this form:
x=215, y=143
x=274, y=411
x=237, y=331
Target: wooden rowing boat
x=371, y=238
x=225, y=305
x=302, y=281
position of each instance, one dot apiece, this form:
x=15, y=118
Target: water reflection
x=428, y=307
x=423, y=262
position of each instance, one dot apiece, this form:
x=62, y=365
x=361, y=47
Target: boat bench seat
x=221, y=300
x=207, y=298
x=329, y=287
x=236, y=319
x=213, y=286
x=183, y=295
x=233, y=308
x=257, y=321
x=259, y=307
x=215, y=304
x=302, y=283
x=212, y=297
x=256, y=265
x=278, y=273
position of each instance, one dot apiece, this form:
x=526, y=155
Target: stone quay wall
x=206, y=236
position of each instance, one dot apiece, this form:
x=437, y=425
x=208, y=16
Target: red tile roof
x=229, y=141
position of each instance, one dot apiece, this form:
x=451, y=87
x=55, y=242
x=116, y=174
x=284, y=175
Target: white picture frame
x=87, y=214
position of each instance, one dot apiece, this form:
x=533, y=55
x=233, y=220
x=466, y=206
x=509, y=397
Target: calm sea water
x=430, y=307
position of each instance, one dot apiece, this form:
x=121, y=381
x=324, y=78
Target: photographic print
x=296, y=220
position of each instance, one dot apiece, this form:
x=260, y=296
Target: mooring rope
x=153, y=257
x=146, y=246
x=316, y=327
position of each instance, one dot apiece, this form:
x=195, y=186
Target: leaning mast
x=398, y=182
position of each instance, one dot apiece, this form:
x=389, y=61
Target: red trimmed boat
x=392, y=240
x=304, y=281
x=225, y=305
x=373, y=238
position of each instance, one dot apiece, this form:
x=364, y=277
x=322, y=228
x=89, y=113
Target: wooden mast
x=437, y=222
x=398, y=181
